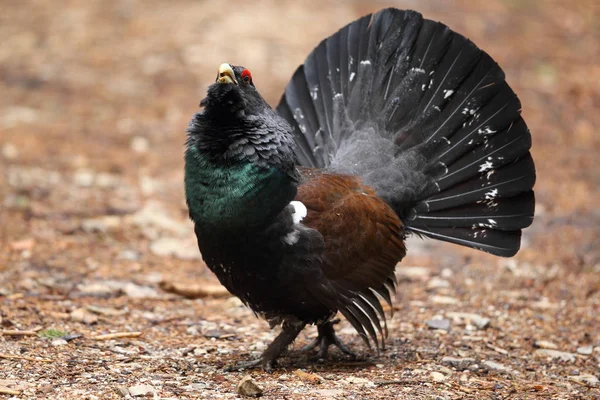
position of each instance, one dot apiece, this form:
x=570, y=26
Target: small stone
x=199, y=351
x=359, y=381
x=15, y=115
x=447, y=273
x=140, y=390
x=544, y=344
x=480, y=322
x=437, y=376
x=105, y=180
x=10, y=151
x=101, y=224
x=139, y=144
x=443, y=324
x=495, y=367
x=175, y=247
x=95, y=289
x=544, y=304
x=233, y=302
x=585, y=350
x=71, y=336
x=58, y=342
x=459, y=364
x=556, y=355
x=123, y=391
x=437, y=283
x=22, y=245
x=84, y=178
x=444, y=300
x=32, y=178
x=83, y=315
x=149, y=185
x=248, y=388
x=474, y=367
x=445, y=370
x=469, y=318
x=497, y=349
x=330, y=393
x=139, y=292
x=587, y=379
x=406, y=327
x=155, y=215
x=412, y=273
x=129, y=255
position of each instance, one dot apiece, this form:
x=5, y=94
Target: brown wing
x=364, y=240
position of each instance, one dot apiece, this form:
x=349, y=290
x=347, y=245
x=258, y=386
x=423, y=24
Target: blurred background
x=96, y=96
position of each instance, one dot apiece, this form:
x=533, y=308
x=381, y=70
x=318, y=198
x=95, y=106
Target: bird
x=393, y=126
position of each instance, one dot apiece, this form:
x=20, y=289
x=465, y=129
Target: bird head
x=233, y=93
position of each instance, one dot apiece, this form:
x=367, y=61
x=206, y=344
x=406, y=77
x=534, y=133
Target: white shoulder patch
x=300, y=211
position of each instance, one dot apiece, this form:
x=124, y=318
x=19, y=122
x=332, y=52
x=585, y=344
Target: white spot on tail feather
x=485, y=166
x=486, y=131
x=492, y=194
x=448, y=93
x=314, y=92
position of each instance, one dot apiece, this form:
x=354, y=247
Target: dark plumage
x=394, y=125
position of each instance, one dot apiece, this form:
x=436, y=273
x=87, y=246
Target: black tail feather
x=426, y=118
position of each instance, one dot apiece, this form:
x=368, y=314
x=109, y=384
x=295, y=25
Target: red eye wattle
x=246, y=76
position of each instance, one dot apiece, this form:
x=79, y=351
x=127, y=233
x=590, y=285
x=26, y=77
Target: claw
x=311, y=345
x=289, y=331
x=326, y=338
x=267, y=365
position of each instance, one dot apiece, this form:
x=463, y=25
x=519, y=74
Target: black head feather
x=237, y=99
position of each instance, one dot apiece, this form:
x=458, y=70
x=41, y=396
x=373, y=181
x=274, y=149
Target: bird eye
x=246, y=76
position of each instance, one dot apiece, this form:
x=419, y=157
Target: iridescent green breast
x=236, y=196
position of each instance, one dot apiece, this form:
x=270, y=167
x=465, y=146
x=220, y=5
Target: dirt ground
x=95, y=99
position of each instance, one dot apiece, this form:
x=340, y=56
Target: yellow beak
x=226, y=74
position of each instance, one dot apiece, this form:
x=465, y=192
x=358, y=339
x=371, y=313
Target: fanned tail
x=427, y=119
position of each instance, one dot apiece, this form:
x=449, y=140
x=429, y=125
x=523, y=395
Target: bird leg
x=289, y=331
x=326, y=338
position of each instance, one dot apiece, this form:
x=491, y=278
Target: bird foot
x=268, y=360
x=266, y=365
x=326, y=338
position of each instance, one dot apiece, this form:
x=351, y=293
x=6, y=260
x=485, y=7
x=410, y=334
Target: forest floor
x=93, y=225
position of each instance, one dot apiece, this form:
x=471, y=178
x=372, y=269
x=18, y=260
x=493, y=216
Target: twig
x=15, y=357
x=30, y=332
x=307, y=377
x=194, y=291
x=5, y=390
x=117, y=335
x=398, y=382
x=462, y=388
